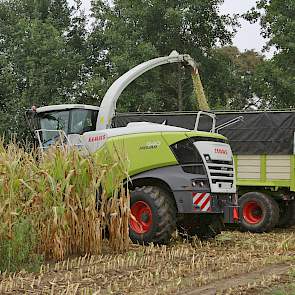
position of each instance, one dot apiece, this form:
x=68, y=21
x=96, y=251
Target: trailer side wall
x=266, y=171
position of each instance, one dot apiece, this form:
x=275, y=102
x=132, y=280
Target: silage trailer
x=263, y=147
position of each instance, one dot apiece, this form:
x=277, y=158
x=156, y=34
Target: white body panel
x=278, y=167
x=142, y=127
x=94, y=140
x=220, y=163
x=63, y=107
x=248, y=167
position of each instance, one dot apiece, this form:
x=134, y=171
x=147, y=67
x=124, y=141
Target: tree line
x=51, y=53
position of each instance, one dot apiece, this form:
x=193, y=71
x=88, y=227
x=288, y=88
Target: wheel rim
x=252, y=212
x=141, y=219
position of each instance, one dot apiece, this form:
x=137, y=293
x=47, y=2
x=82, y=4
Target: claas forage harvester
x=177, y=177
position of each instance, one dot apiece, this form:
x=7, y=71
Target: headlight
x=200, y=183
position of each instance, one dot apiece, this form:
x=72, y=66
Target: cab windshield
x=75, y=121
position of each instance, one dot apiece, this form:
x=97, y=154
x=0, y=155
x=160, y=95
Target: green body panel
x=265, y=183
x=263, y=176
x=142, y=152
x=235, y=164
x=173, y=137
x=292, y=187
x=148, y=151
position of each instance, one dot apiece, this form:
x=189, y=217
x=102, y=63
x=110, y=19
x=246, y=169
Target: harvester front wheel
x=260, y=212
x=153, y=215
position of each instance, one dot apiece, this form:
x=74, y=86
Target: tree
x=135, y=31
x=231, y=77
x=42, y=46
x=274, y=81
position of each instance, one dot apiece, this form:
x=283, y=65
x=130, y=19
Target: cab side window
x=82, y=121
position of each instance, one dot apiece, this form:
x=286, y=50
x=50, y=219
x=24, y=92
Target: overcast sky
x=247, y=37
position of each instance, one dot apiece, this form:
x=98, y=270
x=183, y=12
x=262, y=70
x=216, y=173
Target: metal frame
x=229, y=123
x=61, y=133
x=212, y=116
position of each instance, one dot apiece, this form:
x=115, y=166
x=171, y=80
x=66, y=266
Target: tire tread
x=271, y=208
x=166, y=212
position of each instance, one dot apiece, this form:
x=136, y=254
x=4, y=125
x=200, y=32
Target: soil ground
x=233, y=263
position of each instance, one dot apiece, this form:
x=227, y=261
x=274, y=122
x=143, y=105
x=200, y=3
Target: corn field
x=52, y=206
x=233, y=263
x=54, y=223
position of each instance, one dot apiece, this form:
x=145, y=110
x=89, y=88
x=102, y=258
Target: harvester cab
x=177, y=177
x=59, y=123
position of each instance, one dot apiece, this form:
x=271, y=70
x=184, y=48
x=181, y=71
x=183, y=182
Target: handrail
x=212, y=116
x=229, y=123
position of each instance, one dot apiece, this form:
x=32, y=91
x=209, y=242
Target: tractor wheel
x=260, y=213
x=153, y=215
x=204, y=226
x=287, y=214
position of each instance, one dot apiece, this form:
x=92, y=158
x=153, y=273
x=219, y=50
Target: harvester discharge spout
x=108, y=105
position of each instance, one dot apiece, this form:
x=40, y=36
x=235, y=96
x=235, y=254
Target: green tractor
x=177, y=177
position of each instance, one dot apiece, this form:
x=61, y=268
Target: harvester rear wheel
x=260, y=212
x=153, y=215
x=287, y=214
x=204, y=226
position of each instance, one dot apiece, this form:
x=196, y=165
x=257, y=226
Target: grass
x=18, y=252
x=284, y=287
x=288, y=290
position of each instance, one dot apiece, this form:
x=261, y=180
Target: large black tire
x=287, y=214
x=259, y=212
x=153, y=218
x=204, y=226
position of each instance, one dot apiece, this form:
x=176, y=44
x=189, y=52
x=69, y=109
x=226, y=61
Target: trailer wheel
x=153, y=215
x=287, y=214
x=259, y=212
x=204, y=226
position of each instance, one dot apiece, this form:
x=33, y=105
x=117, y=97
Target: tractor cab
x=51, y=123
